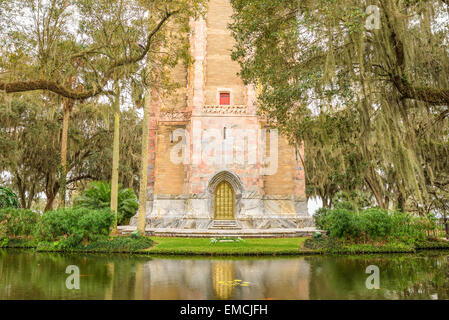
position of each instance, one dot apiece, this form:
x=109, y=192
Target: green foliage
x=17, y=222
x=30, y=121
x=432, y=244
x=73, y=226
x=8, y=199
x=111, y=49
x=369, y=106
x=98, y=196
x=317, y=235
x=32, y=154
x=338, y=246
x=376, y=225
x=119, y=244
x=319, y=217
x=352, y=200
x=18, y=243
x=135, y=234
x=113, y=244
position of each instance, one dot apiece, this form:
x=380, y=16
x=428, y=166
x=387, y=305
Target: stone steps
x=224, y=225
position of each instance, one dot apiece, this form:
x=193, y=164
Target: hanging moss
x=370, y=106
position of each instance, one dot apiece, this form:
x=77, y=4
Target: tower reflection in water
x=198, y=279
x=223, y=279
x=144, y=278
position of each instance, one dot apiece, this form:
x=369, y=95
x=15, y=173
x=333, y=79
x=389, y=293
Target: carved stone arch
x=236, y=184
x=228, y=176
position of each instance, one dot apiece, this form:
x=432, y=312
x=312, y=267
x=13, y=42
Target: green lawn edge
x=171, y=246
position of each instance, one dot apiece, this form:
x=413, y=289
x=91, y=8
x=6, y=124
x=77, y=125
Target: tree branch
x=75, y=179
x=436, y=96
x=430, y=95
x=44, y=84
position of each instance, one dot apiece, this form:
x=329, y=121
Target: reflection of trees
x=32, y=275
x=223, y=277
x=418, y=276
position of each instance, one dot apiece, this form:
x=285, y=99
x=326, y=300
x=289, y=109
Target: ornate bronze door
x=224, y=201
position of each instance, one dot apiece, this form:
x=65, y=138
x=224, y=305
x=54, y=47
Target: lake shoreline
x=249, y=247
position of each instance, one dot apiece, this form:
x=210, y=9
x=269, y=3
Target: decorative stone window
x=225, y=98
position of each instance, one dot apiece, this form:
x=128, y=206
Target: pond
x=33, y=275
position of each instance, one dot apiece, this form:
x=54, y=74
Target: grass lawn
x=203, y=246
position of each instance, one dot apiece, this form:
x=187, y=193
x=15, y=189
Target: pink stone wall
x=213, y=69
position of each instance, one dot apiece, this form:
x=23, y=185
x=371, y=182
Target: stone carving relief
x=225, y=109
x=174, y=116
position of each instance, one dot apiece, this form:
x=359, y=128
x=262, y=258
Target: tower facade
x=212, y=158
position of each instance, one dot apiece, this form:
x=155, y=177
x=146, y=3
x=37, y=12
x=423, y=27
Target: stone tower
x=213, y=162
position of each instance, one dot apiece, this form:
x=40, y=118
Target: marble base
x=183, y=212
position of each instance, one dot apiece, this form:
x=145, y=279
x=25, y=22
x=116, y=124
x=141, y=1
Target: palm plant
x=97, y=195
x=8, y=199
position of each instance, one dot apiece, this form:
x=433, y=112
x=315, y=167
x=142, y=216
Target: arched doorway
x=224, y=201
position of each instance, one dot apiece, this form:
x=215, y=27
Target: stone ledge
x=176, y=221
x=207, y=233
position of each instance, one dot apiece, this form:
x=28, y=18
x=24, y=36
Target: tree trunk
x=144, y=164
x=67, y=109
x=401, y=201
x=50, y=199
x=31, y=196
x=115, y=156
x=446, y=226
x=375, y=190
x=21, y=188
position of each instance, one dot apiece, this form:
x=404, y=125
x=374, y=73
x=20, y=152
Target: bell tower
x=212, y=157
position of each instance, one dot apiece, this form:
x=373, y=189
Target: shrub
x=98, y=196
x=73, y=226
x=376, y=224
x=17, y=222
x=338, y=223
x=319, y=218
x=8, y=199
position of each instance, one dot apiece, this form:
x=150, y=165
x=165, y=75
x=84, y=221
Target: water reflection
x=223, y=279
x=31, y=275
